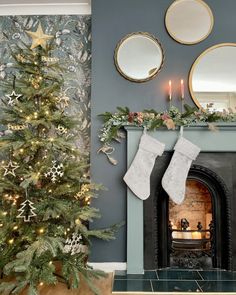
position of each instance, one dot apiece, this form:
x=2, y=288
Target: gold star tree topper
x=39, y=38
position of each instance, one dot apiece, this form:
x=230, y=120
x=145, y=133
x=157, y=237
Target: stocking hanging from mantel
x=137, y=177
x=174, y=179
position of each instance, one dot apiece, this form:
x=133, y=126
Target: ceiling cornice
x=44, y=7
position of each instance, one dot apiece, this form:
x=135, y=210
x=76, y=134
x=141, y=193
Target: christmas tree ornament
x=26, y=210
x=84, y=191
x=2, y=71
x=20, y=58
x=39, y=184
x=138, y=175
x=13, y=98
x=61, y=130
x=174, y=179
x=73, y=245
x=39, y=38
x=17, y=127
x=55, y=171
x=63, y=101
x=49, y=59
x=10, y=169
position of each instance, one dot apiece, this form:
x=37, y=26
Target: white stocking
x=174, y=179
x=138, y=175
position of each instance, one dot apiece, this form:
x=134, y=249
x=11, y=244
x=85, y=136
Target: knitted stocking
x=138, y=175
x=174, y=179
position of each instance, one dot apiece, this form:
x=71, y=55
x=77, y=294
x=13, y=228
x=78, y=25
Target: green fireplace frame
x=222, y=140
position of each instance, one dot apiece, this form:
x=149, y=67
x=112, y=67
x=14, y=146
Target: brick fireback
x=196, y=206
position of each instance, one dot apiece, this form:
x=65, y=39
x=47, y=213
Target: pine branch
x=106, y=234
x=7, y=287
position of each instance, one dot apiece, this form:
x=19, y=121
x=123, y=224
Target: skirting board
x=109, y=266
x=173, y=293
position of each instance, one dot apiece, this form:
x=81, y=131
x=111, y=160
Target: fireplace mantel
x=222, y=140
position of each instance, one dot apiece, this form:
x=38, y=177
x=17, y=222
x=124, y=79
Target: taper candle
x=182, y=88
x=170, y=90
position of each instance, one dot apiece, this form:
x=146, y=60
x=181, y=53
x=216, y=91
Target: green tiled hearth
x=174, y=280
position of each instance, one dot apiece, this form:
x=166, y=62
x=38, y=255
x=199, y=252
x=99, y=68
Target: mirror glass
x=139, y=57
x=212, y=79
x=189, y=21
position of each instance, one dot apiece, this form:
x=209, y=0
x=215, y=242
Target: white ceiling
x=44, y=7
x=19, y=2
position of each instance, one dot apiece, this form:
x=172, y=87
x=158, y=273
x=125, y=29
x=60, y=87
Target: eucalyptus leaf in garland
x=152, y=120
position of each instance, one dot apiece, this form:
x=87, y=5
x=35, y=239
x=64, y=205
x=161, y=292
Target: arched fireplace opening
x=219, y=233
x=191, y=229
x=220, y=244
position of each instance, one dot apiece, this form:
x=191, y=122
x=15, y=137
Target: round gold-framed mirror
x=139, y=57
x=189, y=21
x=212, y=78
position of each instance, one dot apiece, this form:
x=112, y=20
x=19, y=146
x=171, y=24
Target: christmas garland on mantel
x=152, y=120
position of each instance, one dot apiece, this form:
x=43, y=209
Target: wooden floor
x=104, y=285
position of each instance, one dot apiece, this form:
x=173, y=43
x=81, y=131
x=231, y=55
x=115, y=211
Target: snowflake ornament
x=73, y=245
x=13, y=98
x=55, y=171
x=10, y=169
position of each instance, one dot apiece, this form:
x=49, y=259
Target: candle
x=196, y=235
x=182, y=88
x=170, y=90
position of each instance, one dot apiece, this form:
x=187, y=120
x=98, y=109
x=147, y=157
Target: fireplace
x=147, y=224
x=211, y=172
x=191, y=228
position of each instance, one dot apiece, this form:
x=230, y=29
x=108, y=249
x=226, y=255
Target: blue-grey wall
x=112, y=20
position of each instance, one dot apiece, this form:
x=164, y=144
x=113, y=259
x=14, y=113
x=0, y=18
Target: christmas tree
x=45, y=185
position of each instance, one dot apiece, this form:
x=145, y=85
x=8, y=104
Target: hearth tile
x=148, y=275
x=219, y=275
x=132, y=285
x=217, y=286
x=175, y=286
x=178, y=275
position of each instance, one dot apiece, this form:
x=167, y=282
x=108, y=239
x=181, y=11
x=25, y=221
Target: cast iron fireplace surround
x=216, y=171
